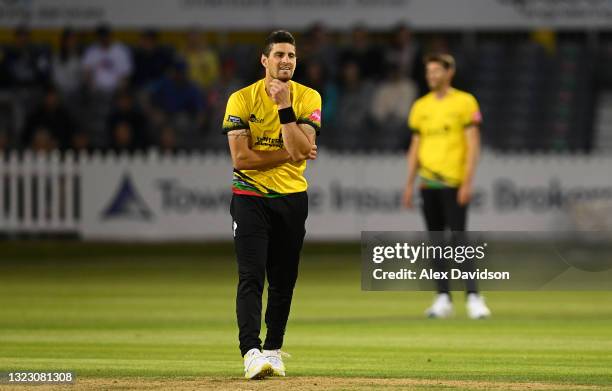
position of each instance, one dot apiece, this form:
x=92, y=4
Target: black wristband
x=286, y=115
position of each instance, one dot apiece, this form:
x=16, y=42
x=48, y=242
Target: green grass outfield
x=167, y=311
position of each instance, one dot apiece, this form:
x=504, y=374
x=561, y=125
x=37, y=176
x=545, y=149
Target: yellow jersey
x=251, y=108
x=440, y=124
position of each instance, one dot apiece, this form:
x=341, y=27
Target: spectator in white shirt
x=107, y=64
x=393, y=98
x=66, y=65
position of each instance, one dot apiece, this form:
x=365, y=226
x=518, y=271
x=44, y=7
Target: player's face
x=437, y=76
x=280, y=64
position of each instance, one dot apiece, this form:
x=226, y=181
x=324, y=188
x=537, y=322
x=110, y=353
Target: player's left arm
x=472, y=138
x=299, y=140
x=311, y=134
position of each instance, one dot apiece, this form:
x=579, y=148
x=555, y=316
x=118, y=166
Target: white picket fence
x=39, y=193
x=57, y=194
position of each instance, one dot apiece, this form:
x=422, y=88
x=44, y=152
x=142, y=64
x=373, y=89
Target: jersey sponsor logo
x=256, y=120
x=127, y=203
x=234, y=119
x=269, y=141
x=439, y=131
x=315, y=116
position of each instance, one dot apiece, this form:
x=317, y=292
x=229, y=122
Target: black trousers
x=442, y=211
x=268, y=238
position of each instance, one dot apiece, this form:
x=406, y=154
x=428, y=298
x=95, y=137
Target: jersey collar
x=450, y=92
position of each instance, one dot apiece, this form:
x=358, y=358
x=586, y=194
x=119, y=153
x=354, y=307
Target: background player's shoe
x=476, y=307
x=256, y=365
x=275, y=358
x=441, y=307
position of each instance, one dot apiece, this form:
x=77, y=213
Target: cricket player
x=271, y=127
x=444, y=153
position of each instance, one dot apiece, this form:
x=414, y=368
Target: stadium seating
x=534, y=97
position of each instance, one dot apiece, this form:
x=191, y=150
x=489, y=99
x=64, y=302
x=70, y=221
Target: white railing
x=155, y=196
x=39, y=193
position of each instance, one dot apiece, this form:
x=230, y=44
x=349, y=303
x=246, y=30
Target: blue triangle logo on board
x=127, y=203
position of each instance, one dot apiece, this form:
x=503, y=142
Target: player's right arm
x=244, y=158
x=236, y=126
x=412, y=158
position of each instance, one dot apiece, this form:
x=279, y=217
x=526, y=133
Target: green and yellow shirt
x=252, y=108
x=440, y=124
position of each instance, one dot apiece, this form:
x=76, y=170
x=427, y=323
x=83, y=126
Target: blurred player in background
x=271, y=127
x=444, y=152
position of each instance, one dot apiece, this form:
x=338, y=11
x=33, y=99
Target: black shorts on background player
x=442, y=211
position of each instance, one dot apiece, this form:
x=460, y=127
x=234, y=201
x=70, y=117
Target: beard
x=435, y=86
x=283, y=75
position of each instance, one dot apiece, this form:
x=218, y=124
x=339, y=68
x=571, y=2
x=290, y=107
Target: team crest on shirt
x=315, y=116
x=256, y=120
x=234, y=119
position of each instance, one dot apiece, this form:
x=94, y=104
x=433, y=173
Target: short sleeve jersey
x=440, y=124
x=251, y=108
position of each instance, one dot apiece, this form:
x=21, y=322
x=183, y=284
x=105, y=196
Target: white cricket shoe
x=275, y=358
x=442, y=307
x=256, y=365
x=476, y=307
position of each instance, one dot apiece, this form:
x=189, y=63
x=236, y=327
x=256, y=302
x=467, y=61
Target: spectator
x=546, y=38
x=4, y=141
x=151, y=59
x=405, y=53
x=5, y=77
x=362, y=52
x=391, y=104
x=25, y=64
x=66, y=65
x=353, y=105
x=219, y=93
x=52, y=117
x=42, y=141
x=107, y=64
x=393, y=98
x=315, y=78
x=167, y=140
x=246, y=57
x=123, y=138
x=175, y=93
x=81, y=141
x=126, y=111
x=316, y=47
x=202, y=61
